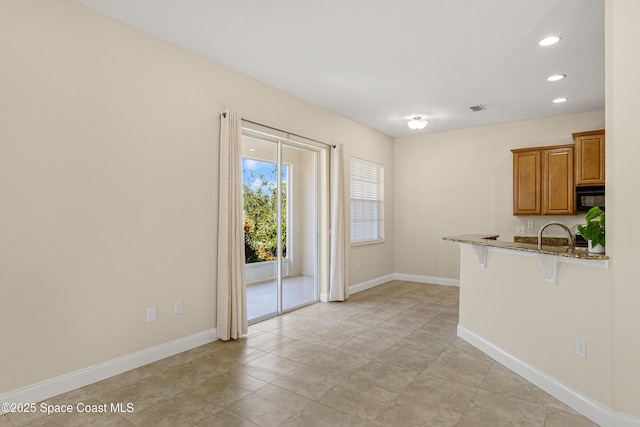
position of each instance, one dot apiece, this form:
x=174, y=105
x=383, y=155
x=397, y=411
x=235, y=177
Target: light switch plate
x=151, y=314
x=581, y=347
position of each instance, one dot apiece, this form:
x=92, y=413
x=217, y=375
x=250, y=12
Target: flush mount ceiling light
x=417, y=123
x=560, y=100
x=556, y=77
x=548, y=41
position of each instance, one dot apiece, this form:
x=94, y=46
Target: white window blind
x=367, y=201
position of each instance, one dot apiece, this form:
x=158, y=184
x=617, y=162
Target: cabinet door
x=526, y=183
x=589, y=158
x=557, y=182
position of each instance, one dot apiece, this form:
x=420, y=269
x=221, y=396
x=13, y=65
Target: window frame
x=370, y=177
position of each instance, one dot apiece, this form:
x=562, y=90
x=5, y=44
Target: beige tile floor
x=389, y=356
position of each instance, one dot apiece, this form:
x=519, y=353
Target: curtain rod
x=224, y=114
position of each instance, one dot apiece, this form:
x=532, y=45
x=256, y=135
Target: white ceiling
x=380, y=62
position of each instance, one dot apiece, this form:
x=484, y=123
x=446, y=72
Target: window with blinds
x=367, y=201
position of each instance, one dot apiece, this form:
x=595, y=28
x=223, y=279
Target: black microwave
x=589, y=196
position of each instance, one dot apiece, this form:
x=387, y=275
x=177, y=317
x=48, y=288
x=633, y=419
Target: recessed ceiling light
x=556, y=77
x=548, y=41
x=560, y=100
x=252, y=149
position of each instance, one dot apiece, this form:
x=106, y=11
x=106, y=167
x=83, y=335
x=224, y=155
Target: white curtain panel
x=339, y=273
x=232, y=295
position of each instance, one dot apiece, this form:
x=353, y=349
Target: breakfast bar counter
x=548, y=256
x=492, y=241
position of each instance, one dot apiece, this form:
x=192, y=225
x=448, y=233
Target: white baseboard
x=427, y=279
x=618, y=419
x=586, y=406
x=55, y=386
x=359, y=287
x=362, y=286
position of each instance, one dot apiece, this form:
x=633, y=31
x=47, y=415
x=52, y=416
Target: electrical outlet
x=177, y=307
x=458, y=263
x=581, y=347
x=357, y=266
x=520, y=229
x=151, y=314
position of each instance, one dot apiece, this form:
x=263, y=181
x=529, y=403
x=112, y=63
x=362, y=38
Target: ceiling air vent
x=477, y=108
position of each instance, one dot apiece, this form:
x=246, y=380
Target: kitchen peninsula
x=491, y=240
x=549, y=256
x=529, y=309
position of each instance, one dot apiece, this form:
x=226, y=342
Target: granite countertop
x=491, y=240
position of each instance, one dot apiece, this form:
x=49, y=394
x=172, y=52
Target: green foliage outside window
x=260, y=217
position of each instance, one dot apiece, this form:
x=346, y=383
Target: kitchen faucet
x=569, y=236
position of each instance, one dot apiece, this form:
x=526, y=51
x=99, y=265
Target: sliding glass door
x=280, y=181
x=299, y=279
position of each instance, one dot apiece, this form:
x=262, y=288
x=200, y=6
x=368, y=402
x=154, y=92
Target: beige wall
x=460, y=182
x=109, y=177
x=623, y=177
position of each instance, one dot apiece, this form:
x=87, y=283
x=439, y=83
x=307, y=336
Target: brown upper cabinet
x=527, y=184
x=589, y=148
x=543, y=180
